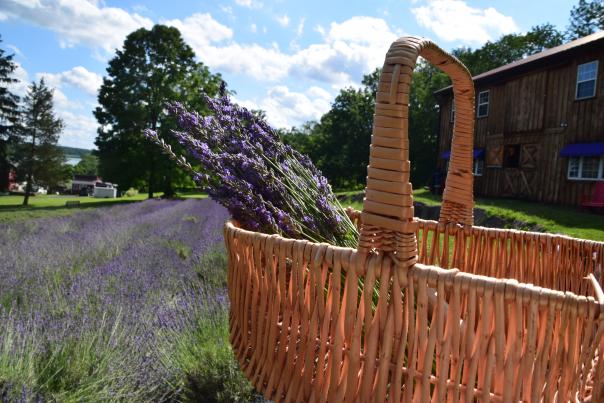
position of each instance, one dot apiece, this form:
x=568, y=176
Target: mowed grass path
x=11, y=208
x=567, y=220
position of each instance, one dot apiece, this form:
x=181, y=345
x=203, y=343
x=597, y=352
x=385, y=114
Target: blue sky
x=289, y=58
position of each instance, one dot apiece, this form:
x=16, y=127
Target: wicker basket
x=427, y=311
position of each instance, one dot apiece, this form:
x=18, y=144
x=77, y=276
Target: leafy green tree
x=9, y=113
x=424, y=120
x=88, y=165
x=39, y=155
x=154, y=66
x=586, y=18
x=339, y=143
x=509, y=48
x=303, y=138
x=344, y=137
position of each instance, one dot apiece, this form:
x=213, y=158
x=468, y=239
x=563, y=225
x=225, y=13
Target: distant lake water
x=73, y=159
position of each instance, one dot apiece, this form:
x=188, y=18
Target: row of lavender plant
x=108, y=304
x=266, y=185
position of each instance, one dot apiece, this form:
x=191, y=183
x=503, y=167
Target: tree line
x=155, y=66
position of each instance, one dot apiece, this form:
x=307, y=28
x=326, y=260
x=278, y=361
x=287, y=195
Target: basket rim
x=431, y=273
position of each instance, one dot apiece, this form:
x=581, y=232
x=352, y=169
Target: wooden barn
x=539, y=125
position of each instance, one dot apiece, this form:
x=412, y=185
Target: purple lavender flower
x=266, y=185
x=127, y=275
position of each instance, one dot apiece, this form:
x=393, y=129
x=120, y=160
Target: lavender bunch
x=266, y=185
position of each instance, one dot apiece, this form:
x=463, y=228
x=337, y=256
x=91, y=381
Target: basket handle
x=387, y=217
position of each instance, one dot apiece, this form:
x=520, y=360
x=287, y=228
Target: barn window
x=587, y=74
x=483, y=104
x=587, y=168
x=574, y=167
x=511, y=156
x=478, y=167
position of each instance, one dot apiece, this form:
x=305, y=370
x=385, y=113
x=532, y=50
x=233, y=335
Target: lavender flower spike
x=265, y=185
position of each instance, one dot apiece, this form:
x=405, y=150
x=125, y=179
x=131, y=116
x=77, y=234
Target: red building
x=12, y=179
x=84, y=183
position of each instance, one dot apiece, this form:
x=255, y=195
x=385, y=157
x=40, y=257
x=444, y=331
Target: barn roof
x=537, y=60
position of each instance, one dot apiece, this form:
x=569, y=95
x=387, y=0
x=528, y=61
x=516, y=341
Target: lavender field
x=126, y=303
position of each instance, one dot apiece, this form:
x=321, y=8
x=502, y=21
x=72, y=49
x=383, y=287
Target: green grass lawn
x=52, y=206
x=566, y=220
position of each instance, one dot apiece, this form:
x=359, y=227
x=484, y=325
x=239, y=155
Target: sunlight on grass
x=54, y=206
x=567, y=220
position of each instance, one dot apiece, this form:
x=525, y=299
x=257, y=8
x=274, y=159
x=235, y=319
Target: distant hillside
x=73, y=151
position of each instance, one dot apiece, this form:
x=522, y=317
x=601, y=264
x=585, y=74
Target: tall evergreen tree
x=153, y=67
x=40, y=157
x=586, y=18
x=9, y=113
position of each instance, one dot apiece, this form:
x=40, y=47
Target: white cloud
x=80, y=129
x=285, y=108
x=455, y=20
x=300, y=29
x=79, y=77
x=348, y=50
x=77, y=22
x=283, y=20
x=249, y=3
x=141, y=9
x=20, y=87
x=253, y=28
x=199, y=30
x=213, y=44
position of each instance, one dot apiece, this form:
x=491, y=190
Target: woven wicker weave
x=506, y=316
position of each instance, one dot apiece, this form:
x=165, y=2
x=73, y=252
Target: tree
x=586, y=18
x=51, y=170
x=40, y=156
x=424, y=120
x=509, y=48
x=345, y=135
x=88, y=165
x=153, y=67
x=9, y=113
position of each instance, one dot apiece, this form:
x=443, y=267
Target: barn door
x=511, y=182
x=526, y=184
x=527, y=175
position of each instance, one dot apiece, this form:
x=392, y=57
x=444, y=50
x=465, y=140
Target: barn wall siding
x=537, y=110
